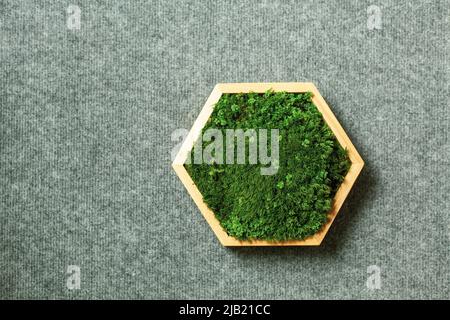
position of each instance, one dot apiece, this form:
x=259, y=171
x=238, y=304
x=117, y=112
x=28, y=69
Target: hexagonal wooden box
x=356, y=161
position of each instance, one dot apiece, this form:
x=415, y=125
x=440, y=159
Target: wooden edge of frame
x=339, y=198
x=335, y=126
x=198, y=199
x=197, y=127
x=263, y=87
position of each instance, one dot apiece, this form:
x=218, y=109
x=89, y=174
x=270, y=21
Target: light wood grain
x=330, y=119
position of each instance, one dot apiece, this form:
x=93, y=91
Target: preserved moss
x=294, y=202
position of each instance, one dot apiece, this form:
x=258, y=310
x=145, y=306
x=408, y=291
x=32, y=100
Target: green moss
x=293, y=203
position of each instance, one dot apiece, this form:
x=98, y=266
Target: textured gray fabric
x=86, y=118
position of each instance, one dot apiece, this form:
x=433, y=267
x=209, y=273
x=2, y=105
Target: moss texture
x=293, y=203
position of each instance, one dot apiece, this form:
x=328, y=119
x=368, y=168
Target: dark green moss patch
x=291, y=204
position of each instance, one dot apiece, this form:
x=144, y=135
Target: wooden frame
x=330, y=119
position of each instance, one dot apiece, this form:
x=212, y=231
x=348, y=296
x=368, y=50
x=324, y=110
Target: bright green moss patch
x=291, y=204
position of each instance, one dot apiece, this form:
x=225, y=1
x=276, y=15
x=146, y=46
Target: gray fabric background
x=86, y=118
